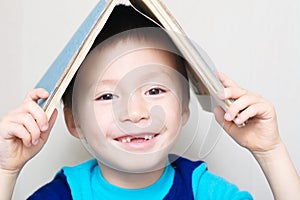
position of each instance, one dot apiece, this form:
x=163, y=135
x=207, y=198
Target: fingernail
x=35, y=142
x=44, y=127
x=237, y=120
x=227, y=116
x=221, y=94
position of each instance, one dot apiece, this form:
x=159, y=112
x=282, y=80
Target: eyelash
x=106, y=97
x=110, y=96
x=159, y=90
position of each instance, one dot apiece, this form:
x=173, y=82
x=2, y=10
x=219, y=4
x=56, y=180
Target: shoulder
x=205, y=184
x=57, y=189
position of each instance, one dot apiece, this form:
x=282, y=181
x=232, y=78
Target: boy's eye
x=106, y=97
x=155, y=91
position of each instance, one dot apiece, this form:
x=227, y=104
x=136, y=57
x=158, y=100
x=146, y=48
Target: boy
x=127, y=104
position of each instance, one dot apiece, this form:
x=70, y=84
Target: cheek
x=172, y=109
x=104, y=117
x=89, y=118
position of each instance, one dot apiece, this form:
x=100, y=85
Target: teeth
x=148, y=137
x=128, y=139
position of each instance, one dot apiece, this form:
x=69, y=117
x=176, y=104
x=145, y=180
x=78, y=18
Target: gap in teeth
x=128, y=139
x=148, y=137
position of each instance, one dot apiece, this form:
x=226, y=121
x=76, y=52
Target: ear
x=69, y=120
x=185, y=115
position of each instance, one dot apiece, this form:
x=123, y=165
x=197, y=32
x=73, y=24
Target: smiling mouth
x=136, y=139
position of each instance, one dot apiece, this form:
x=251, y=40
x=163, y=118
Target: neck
x=130, y=180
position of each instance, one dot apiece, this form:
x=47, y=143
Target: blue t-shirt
x=183, y=179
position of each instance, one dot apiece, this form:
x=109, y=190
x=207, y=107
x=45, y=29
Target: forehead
x=117, y=59
x=149, y=60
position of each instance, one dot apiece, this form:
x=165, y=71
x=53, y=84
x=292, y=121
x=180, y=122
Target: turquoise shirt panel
x=207, y=186
x=87, y=182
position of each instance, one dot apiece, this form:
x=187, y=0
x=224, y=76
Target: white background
x=255, y=42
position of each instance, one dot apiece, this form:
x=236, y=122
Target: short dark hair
x=123, y=18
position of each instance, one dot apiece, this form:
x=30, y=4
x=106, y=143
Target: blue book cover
x=61, y=71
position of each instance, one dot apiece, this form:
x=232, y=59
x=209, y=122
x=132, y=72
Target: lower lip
x=139, y=144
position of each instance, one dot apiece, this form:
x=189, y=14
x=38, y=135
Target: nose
x=136, y=109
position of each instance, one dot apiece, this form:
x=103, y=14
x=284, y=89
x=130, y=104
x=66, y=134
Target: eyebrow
x=162, y=74
x=146, y=77
x=105, y=83
x=108, y=82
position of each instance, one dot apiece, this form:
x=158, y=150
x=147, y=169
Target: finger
x=226, y=81
x=32, y=127
x=240, y=105
x=29, y=123
x=36, y=111
x=52, y=120
x=228, y=126
x=219, y=114
x=36, y=94
x=233, y=93
x=259, y=110
x=247, y=114
x=18, y=131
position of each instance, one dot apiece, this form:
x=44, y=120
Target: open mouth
x=136, y=139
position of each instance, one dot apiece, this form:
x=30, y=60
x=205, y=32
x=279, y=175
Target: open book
x=61, y=72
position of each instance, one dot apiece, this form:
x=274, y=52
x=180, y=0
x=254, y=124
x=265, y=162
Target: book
x=61, y=71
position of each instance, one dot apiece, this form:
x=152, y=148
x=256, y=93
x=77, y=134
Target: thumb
x=45, y=134
x=228, y=126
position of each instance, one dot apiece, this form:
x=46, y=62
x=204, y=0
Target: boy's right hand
x=24, y=131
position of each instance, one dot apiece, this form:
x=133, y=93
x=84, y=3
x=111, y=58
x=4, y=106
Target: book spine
x=55, y=74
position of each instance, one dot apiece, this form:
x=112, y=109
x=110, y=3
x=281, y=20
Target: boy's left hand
x=261, y=131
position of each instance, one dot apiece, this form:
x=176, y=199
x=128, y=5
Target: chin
x=138, y=163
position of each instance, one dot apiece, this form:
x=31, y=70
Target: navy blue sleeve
x=57, y=189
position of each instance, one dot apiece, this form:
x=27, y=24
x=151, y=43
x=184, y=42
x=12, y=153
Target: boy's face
x=128, y=105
